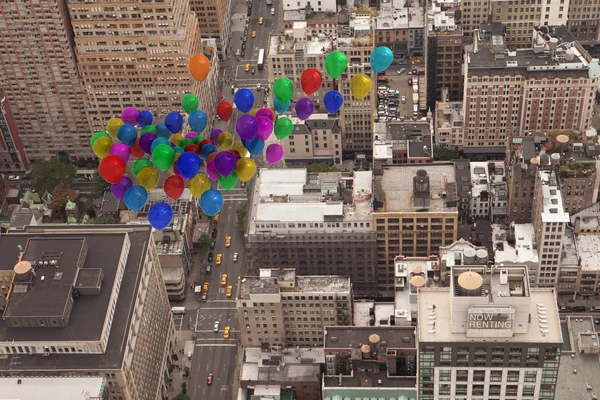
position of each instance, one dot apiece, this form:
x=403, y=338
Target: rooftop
x=522, y=252
x=553, y=210
x=62, y=388
x=289, y=365
x=269, y=283
x=395, y=337
x=479, y=179
x=323, y=284
x=587, y=248
x=449, y=115
x=370, y=379
x=462, y=171
x=397, y=14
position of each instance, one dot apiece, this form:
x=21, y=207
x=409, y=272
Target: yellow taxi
x=261, y=20
x=223, y=279
x=219, y=259
x=226, y=332
x=227, y=241
x=253, y=34
x=247, y=67
x=216, y=219
x=228, y=291
x=205, y=287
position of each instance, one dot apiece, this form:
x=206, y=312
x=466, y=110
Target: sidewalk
x=239, y=359
x=184, y=351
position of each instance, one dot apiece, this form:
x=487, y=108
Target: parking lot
x=394, y=85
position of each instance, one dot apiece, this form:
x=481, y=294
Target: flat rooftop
x=255, y=285
x=292, y=365
x=552, y=200
x=325, y=284
x=479, y=178
x=22, y=388
x=370, y=379
x=587, y=248
x=395, y=337
x=522, y=252
x=400, y=14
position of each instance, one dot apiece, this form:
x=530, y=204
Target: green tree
x=443, y=154
x=321, y=167
x=182, y=396
x=104, y=220
x=204, y=240
x=62, y=193
x=241, y=215
x=49, y=173
x=99, y=186
x=186, y=371
x=478, y=157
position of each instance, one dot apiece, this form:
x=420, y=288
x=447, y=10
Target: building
x=488, y=335
x=4, y=189
x=462, y=172
x=400, y=25
x=63, y=388
x=498, y=191
x=480, y=194
x=411, y=274
x=115, y=69
x=587, y=221
x=41, y=84
x=86, y=302
x=12, y=154
x=293, y=309
x=583, y=22
x=316, y=223
x=449, y=125
x=513, y=93
x=588, y=277
x=370, y=362
x=214, y=22
x=321, y=6
x=516, y=246
x=415, y=212
x=318, y=139
x=401, y=143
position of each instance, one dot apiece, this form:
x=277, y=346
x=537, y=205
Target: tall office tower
x=38, y=74
x=12, y=152
x=136, y=54
x=551, y=86
x=488, y=336
x=584, y=20
x=214, y=21
x=415, y=212
x=87, y=300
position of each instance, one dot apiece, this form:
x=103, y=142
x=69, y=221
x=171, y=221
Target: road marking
x=216, y=345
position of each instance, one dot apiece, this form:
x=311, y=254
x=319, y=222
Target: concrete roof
x=553, y=210
x=587, y=247
x=62, y=388
x=291, y=365
x=322, y=284
x=523, y=251
x=344, y=337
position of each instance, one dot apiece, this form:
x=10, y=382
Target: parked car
x=403, y=99
x=579, y=309
x=235, y=257
x=210, y=257
x=214, y=233
x=252, y=71
x=216, y=327
x=597, y=321
x=213, y=244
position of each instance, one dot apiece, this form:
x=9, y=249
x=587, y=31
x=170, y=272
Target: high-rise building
x=143, y=61
x=13, y=157
x=40, y=81
x=86, y=300
x=584, y=22
x=400, y=25
x=318, y=139
x=214, y=22
x=488, y=336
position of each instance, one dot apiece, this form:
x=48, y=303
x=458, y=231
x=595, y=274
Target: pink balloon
x=211, y=170
x=130, y=115
x=121, y=150
x=265, y=112
x=265, y=128
x=274, y=153
x=191, y=135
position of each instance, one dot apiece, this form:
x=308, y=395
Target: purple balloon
x=225, y=163
x=274, y=153
x=130, y=115
x=246, y=126
x=265, y=112
x=214, y=136
x=304, y=108
x=265, y=128
x=119, y=189
x=211, y=171
x=191, y=135
x=146, y=142
x=121, y=150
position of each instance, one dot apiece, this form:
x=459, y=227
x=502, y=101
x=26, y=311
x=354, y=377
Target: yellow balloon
x=253, y=112
x=172, y=168
x=112, y=128
x=102, y=146
x=245, y=168
x=148, y=178
x=240, y=148
x=199, y=184
x=225, y=140
x=176, y=138
x=360, y=85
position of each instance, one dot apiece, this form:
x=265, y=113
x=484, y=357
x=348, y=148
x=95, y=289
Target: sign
x=485, y=319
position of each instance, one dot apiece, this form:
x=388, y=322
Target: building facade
x=583, y=20
x=13, y=157
x=401, y=143
x=449, y=125
x=318, y=139
x=214, y=22
x=400, y=25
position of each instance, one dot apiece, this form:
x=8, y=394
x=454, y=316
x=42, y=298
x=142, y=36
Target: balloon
x=235, y=153
x=184, y=142
x=163, y=156
x=199, y=184
x=211, y=156
x=198, y=120
x=214, y=135
x=211, y=171
x=120, y=188
x=191, y=148
x=176, y=138
x=246, y=126
x=139, y=165
x=206, y=150
x=145, y=118
x=239, y=147
x=224, y=110
x=225, y=163
x=130, y=115
x=174, y=187
x=158, y=141
x=113, y=126
x=255, y=146
x=211, y=202
x=136, y=150
x=244, y=99
x=311, y=80
x=253, y=112
x=225, y=141
x=162, y=131
x=191, y=135
x=283, y=89
x=160, y=216
x=148, y=128
x=146, y=141
x=265, y=128
x=136, y=198
x=381, y=59
x=127, y=134
x=174, y=122
x=265, y=112
x=335, y=64
x=360, y=85
x=304, y=108
x=333, y=101
x=274, y=153
x=189, y=165
x=199, y=67
x=97, y=135
x=190, y=103
x=177, y=149
x=245, y=168
x=197, y=140
x=228, y=182
x=280, y=106
x=112, y=168
x=148, y=178
x=102, y=146
x=121, y=150
x=283, y=128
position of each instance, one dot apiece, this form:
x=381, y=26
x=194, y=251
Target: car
x=223, y=279
x=244, y=39
x=209, y=379
x=266, y=90
x=409, y=81
x=416, y=62
x=243, y=185
x=226, y=332
x=210, y=257
x=243, y=53
x=394, y=62
x=227, y=241
x=261, y=20
x=243, y=46
x=204, y=296
x=205, y=287
x=219, y=259
x=253, y=34
x=213, y=244
x=247, y=67
x=253, y=71
x=414, y=71
x=216, y=327
x=228, y=291
x=235, y=257
x=403, y=99
x=272, y=11
x=208, y=268
x=216, y=219
x=237, y=53
x=14, y=178
x=258, y=87
x=265, y=100
x=214, y=231
x=579, y=309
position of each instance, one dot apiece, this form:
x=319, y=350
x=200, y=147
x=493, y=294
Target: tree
x=443, y=154
x=49, y=173
x=184, y=388
x=321, y=167
x=104, y=220
x=477, y=157
x=99, y=186
x=186, y=371
x=204, y=240
x=241, y=215
x=62, y=193
x=182, y=396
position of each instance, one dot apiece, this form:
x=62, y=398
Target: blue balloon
x=178, y=150
x=279, y=106
x=244, y=99
x=127, y=134
x=160, y=216
x=145, y=118
x=255, y=146
x=381, y=58
x=198, y=120
x=206, y=150
x=136, y=198
x=162, y=131
x=333, y=101
x=158, y=141
x=189, y=164
x=211, y=202
x=174, y=122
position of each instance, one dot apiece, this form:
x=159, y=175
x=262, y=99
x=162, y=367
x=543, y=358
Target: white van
x=178, y=310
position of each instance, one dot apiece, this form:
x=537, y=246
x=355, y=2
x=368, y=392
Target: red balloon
x=174, y=187
x=136, y=150
x=234, y=151
x=191, y=147
x=224, y=110
x=203, y=142
x=311, y=80
x=112, y=168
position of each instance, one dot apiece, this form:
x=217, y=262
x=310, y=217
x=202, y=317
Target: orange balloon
x=199, y=67
x=211, y=156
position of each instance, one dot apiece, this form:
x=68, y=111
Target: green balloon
x=283, y=89
x=198, y=139
x=184, y=142
x=336, y=63
x=228, y=182
x=140, y=164
x=283, y=127
x=148, y=128
x=96, y=136
x=163, y=157
x=190, y=103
